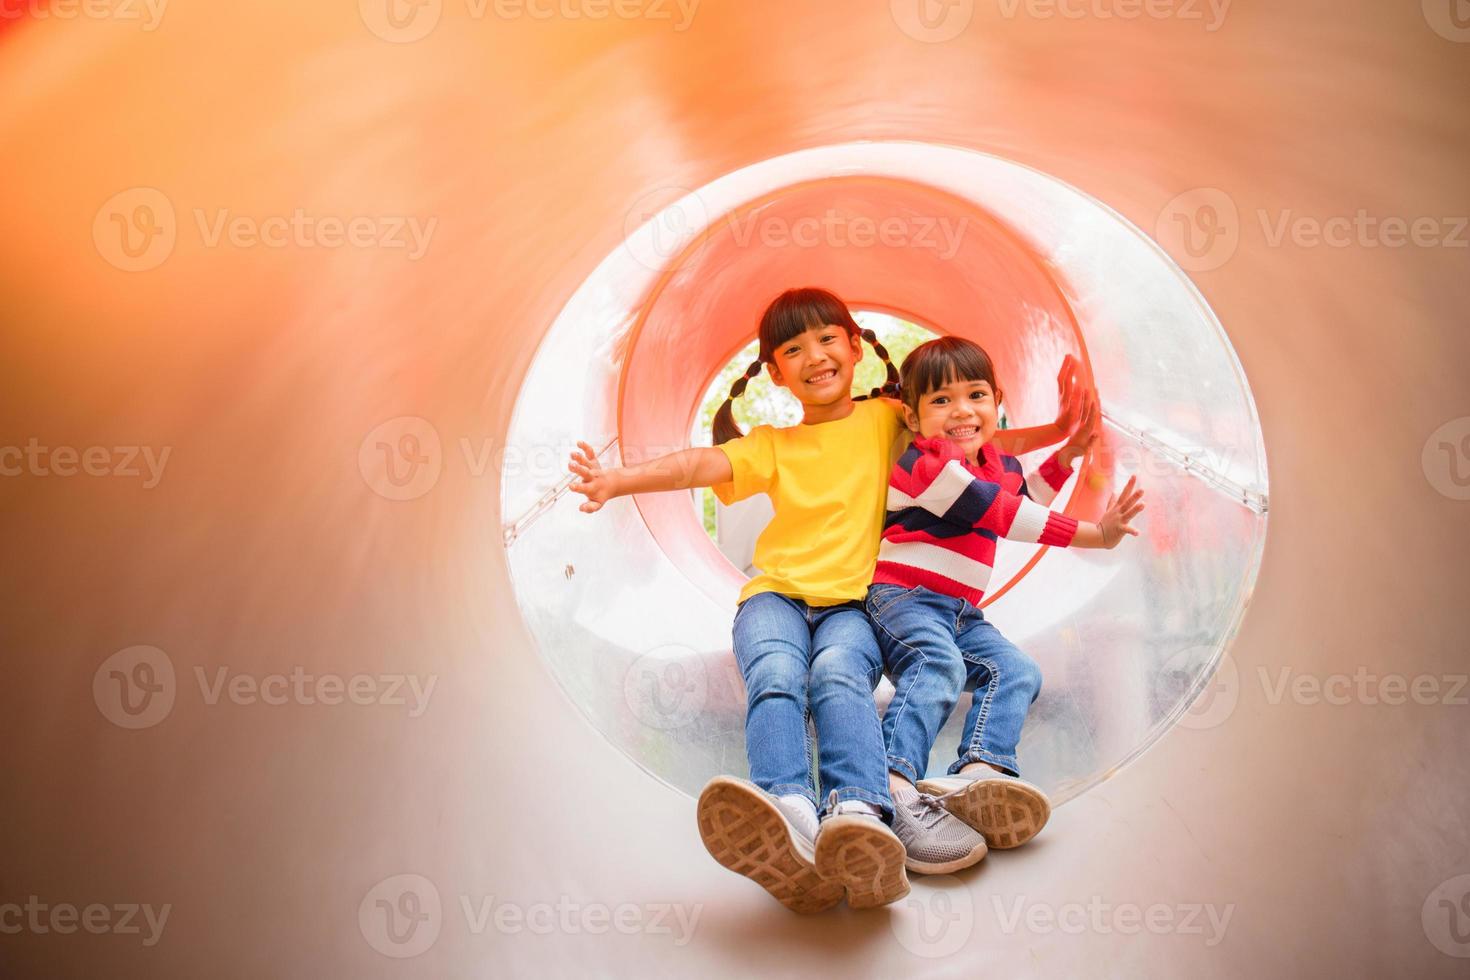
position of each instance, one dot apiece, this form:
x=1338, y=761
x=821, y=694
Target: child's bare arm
x=683, y=470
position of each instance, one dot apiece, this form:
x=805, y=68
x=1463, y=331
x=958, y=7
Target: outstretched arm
x=683, y=470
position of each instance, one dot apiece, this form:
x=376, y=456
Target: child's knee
x=1028, y=674
x=842, y=665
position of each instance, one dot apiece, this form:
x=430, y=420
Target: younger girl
x=951, y=495
x=802, y=640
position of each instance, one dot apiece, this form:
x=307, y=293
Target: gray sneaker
x=1008, y=811
x=935, y=841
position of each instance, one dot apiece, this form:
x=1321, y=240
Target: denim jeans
x=821, y=662
x=935, y=646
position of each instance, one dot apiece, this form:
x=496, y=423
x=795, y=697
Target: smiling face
x=965, y=412
x=816, y=365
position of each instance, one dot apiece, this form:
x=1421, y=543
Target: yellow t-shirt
x=828, y=483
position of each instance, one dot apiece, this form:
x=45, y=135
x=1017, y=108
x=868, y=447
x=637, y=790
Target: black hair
x=791, y=314
x=939, y=362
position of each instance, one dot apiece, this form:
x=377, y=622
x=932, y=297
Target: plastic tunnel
x=312, y=663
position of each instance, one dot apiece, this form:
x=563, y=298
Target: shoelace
x=928, y=810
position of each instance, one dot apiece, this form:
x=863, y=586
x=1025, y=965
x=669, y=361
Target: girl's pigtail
x=724, y=428
x=889, y=387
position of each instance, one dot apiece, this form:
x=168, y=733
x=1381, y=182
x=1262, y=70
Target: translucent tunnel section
x=631, y=607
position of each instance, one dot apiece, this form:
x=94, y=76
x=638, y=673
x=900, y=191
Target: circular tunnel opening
x=631, y=608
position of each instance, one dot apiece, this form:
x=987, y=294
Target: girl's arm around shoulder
x=683, y=470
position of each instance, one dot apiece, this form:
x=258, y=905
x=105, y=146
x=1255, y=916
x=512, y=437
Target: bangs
x=941, y=362
x=796, y=311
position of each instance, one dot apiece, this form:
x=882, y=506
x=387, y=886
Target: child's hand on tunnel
x=596, y=483
x=1069, y=395
x=1122, y=508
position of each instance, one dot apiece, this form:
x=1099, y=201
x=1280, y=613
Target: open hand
x=1121, y=509
x=595, y=483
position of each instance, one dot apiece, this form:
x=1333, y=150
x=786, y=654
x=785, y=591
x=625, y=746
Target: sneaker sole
x=863, y=858
x=744, y=832
x=1007, y=811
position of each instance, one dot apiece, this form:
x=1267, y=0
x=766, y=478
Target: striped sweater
x=945, y=515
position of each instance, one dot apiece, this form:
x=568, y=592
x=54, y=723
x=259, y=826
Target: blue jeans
x=935, y=646
x=822, y=662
